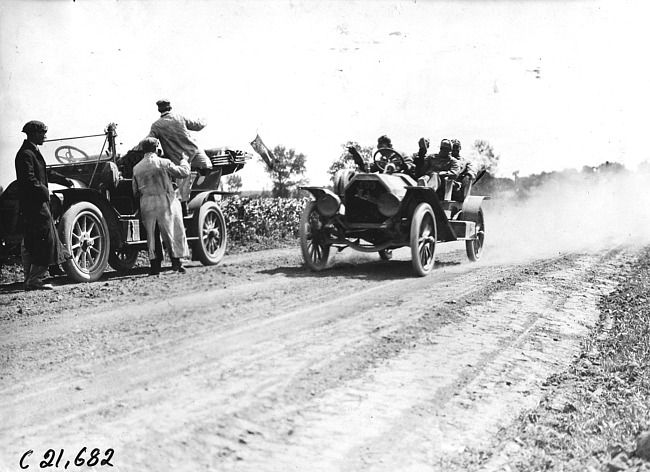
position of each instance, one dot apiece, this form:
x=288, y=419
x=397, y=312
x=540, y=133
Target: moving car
x=98, y=219
x=386, y=210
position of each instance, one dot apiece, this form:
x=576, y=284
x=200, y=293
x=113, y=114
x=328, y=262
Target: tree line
x=288, y=172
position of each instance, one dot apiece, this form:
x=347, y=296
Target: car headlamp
x=388, y=204
x=328, y=204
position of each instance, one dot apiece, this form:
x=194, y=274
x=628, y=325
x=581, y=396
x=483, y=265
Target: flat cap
x=163, y=104
x=34, y=126
x=149, y=144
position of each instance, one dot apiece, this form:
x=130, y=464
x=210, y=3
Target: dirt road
x=260, y=365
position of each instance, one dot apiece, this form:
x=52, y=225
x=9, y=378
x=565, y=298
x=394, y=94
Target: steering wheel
x=68, y=154
x=387, y=156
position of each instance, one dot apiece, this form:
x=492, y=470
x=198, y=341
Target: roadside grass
x=593, y=413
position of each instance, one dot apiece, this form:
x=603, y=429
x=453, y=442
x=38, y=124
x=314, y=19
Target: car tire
x=423, y=239
x=475, y=247
x=84, y=233
x=123, y=259
x=314, y=253
x=211, y=231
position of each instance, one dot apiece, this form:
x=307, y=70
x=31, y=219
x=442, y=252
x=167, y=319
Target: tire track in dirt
x=247, y=372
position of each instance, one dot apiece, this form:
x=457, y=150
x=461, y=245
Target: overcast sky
x=551, y=85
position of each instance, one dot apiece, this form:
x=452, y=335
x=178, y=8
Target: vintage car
x=98, y=219
x=385, y=210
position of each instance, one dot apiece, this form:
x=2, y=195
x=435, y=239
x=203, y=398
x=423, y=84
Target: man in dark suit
x=41, y=245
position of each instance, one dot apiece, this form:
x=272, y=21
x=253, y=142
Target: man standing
x=173, y=132
x=158, y=204
x=41, y=246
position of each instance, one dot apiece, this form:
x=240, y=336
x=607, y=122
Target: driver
x=439, y=165
x=395, y=164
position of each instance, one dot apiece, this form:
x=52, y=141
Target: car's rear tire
x=123, y=259
x=423, y=239
x=386, y=254
x=474, y=247
x=84, y=233
x=314, y=253
x=211, y=230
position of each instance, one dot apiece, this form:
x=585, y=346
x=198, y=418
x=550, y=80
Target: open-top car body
x=98, y=219
x=386, y=210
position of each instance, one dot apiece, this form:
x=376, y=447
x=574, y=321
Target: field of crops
x=255, y=222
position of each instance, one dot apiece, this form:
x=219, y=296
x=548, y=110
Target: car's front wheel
x=314, y=252
x=423, y=239
x=84, y=233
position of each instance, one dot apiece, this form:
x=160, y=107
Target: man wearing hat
x=41, y=245
x=441, y=164
x=383, y=142
x=467, y=172
x=159, y=205
x=173, y=132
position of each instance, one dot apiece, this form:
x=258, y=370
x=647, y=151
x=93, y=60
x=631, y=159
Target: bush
x=265, y=221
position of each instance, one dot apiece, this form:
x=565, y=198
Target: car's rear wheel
x=84, y=232
x=423, y=239
x=211, y=230
x=386, y=254
x=314, y=252
x=123, y=259
x=475, y=247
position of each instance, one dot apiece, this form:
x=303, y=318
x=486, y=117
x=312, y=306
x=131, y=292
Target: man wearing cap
x=439, y=165
x=173, y=132
x=383, y=142
x=41, y=246
x=159, y=205
x=467, y=172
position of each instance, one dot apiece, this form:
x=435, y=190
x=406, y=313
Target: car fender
x=318, y=191
x=418, y=194
x=471, y=207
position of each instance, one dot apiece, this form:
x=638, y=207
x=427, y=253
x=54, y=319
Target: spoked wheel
x=123, y=259
x=423, y=239
x=84, y=232
x=314, y=252
x=386, y=254
x=211, y=229
x=475, y=247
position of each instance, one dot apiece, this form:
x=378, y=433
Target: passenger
x=467, y=173
x=439, y=165
x=467, y=169
x=41, y=246
x=159, y=205
x=420, y=158
x=173, y=132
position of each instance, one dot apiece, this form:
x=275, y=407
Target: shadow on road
x=368, y=270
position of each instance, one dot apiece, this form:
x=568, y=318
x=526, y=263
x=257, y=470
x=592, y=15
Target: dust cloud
x=576, y=214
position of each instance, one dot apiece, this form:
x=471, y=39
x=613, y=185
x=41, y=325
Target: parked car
x=98, y=219
x=386, y=210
